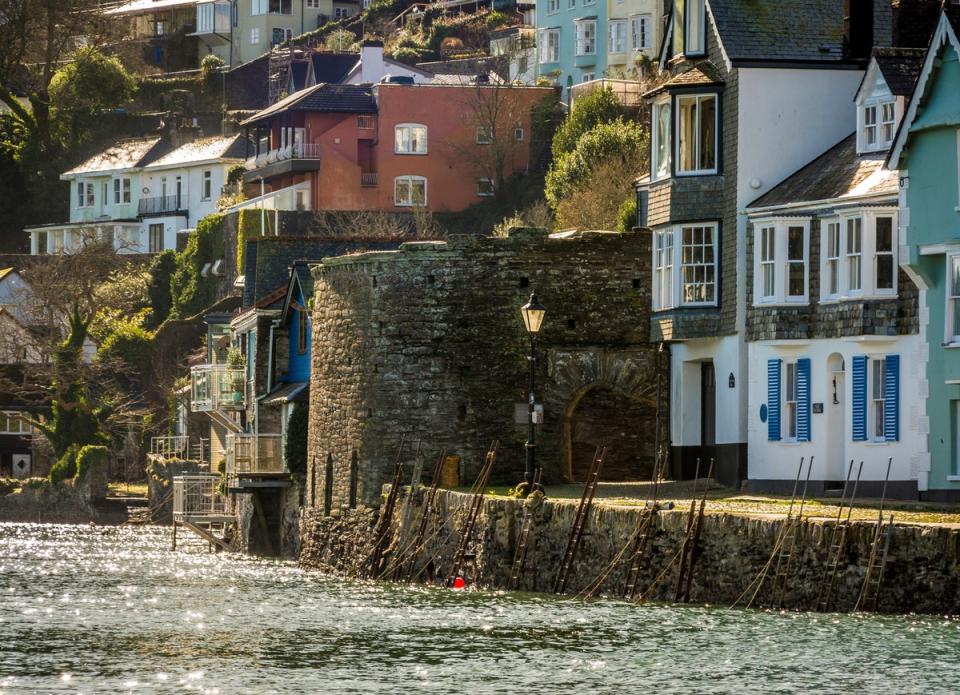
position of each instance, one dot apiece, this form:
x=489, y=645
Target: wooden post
x=174, y=545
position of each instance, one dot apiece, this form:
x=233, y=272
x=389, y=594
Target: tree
x=600, y=106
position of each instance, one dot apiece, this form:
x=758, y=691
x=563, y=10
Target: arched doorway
x=601, y=415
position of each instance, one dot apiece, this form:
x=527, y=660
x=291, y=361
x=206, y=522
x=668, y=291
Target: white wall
x=778, y=460
x=685, y=361
x=192, y=177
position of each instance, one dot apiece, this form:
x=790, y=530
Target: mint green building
x=927, y=154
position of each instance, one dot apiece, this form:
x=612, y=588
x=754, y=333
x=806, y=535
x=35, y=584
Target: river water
x=114, y=610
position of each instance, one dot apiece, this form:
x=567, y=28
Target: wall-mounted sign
x=818, y=408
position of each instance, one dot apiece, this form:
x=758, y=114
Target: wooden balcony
x=252, y=455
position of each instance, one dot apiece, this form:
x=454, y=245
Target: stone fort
x=427, y=341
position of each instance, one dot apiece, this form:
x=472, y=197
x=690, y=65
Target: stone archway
x=609, y=397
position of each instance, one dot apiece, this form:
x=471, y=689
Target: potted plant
x=236, y=362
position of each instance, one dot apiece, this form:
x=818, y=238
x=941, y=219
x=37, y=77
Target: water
x=113, y=610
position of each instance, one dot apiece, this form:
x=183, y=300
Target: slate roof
x=293, y=392
x=203, y=150
x=125, y=154
x=701, y=74
x=301, y=272
x=900, y=68
x=298, y=76
x=333, y=98
x=837, y=173
x=332, y=68
x=787, y=30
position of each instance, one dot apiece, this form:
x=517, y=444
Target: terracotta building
x=388, y=146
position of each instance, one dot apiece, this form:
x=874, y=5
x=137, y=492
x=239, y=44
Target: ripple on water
x=113, y=610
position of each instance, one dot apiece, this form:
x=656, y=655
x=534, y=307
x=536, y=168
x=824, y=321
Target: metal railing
x=296, y=197
x=368, y=179
x=297, y=150
x=197, y=495
x=161, y=204
x=252, y=453
x=176, y=447
x=217, y=387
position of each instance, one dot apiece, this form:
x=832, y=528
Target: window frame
x=410, y=179
x=484, y=135
x=790, y=409
x=409, y=128
x=779, y=264
x=254, y=36
x=677, y=266
x=877, y=106
x=553, y=6
x=952, y=317
x=548, y=48
x=206, y=184
x=876, y=404
x=677, y=115
x=701, y=11
x=580, y=39
x=612, y=25
x=660, y=169
x=151, y=229
x=122, y=190
x=485, y=193
x=86, y=194
x=301, y=331
x=827, y=258
x=642, y=22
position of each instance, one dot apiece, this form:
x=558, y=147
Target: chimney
x=371, y=61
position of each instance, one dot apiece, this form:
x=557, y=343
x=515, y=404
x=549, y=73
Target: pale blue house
x=926, y=152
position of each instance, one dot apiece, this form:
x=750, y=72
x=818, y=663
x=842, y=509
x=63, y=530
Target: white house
x=139, y=193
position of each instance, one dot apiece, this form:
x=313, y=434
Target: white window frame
x=254, y=36
x=617, y=36
x=206, y=184
x=553, y=6
x=663, y=260
x=86, y=194
x=678, y=114
x=695, y=9
x=23, y=426
x=518, y=133
x=410, y=180
x=661, y=160
x=952, y=314
x=678, y=268
x=876, y=400
x=831, y=255
x=581, y=26
x=151, y=229
x=588, y=77
x=571, y=4
x=122, y=190
x=640, y=32
x=403, y=139
x=313, y=4
x=884, y=112
x=485, y=188
x=259, y=7
x=788, y=418
x=549, y=50
x=853, y=236
x=867, y=255
x=776, y=267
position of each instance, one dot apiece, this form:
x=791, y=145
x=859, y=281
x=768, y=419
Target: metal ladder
x=478, y=491
x=869, y=597
x=690, y=552
x=518, y=568
x=645, y=529
x=838, y=542
x=781, y=574
x=580, y=520
x=428, y=501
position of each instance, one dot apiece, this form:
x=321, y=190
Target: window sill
x=859, y=298
x=781, y=304
x=411, y=154
x=705, y=172
x=953, y=478
x=877, y=443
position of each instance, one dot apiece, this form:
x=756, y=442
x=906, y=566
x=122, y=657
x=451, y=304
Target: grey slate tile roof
x=333, y=67
x=837, y=173
x=124, y=154
x=702, y=74
x=337, y=98
x=900, y=68
x=788, y=30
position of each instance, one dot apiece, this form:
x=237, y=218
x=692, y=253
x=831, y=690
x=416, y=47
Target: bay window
x=617, y=40
x=859, y=255
x=662, y=130
x=410, y=138
x=697, y=127
x=781, y=272
x=549, y=45
x=693, y=250
x=586, y=36
x=409, y=191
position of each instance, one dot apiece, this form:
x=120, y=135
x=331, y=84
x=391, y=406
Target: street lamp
x=533, y=312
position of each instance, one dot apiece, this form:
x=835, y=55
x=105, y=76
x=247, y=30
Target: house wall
x=193, y=200
x=572, y=69
x=298, y=364
x=625, y=9
x=299, y=20
x=929, y=201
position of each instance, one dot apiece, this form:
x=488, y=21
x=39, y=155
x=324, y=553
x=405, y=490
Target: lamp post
x=533, y=312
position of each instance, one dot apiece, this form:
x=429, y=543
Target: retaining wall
x=922, y=573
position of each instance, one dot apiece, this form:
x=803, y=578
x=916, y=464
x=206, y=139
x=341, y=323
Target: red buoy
x=458, y=583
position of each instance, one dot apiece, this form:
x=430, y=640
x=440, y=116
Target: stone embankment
x=77, y=501
x=922, y=572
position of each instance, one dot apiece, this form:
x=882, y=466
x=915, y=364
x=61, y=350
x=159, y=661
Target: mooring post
x=174, y=545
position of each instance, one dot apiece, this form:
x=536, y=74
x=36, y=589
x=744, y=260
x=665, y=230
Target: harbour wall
x=922, y=573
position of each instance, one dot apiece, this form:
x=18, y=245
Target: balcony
x=196, y=498
x=217, y=387
x=254, y=455
x=368, y=179
x=162, y=205
x=292, y=198
x=298, y=157
x=181, y=448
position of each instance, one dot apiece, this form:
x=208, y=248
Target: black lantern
x=533, y=312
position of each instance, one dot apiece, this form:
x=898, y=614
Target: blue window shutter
x=803, y=400
x=860, y=398
x=891, y=399
x=773, y=400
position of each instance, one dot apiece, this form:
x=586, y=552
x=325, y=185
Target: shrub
x=235, y=174
x=600, y=106
x=296, y=445
x=627, y=214
x=211, y=63
x=158, y=287
x=66, y=466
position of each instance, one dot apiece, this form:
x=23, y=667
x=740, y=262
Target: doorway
x=836, y=422
x=708, y=411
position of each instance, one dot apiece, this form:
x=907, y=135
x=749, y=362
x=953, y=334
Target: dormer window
x=694, y=28
x=878, y=121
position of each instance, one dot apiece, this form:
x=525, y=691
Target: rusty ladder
x=781, y=574
x=645, y=529
x=838, y=542
x=382, y=537
x=869, y=597
x=518, y=568
x=690, y=551
x=428, y=502
x=580, y=520
x=478, y=491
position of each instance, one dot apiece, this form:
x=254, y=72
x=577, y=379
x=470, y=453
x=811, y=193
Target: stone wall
x=922, y=573
x=428, y=341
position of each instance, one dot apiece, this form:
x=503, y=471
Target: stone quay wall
x=428, y=342
x=922, y=573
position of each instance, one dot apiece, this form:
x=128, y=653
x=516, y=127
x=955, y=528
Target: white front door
x=836, y=425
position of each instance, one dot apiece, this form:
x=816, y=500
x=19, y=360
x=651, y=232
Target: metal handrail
x=161, y=204
x=197, y=495
x=217, y=386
